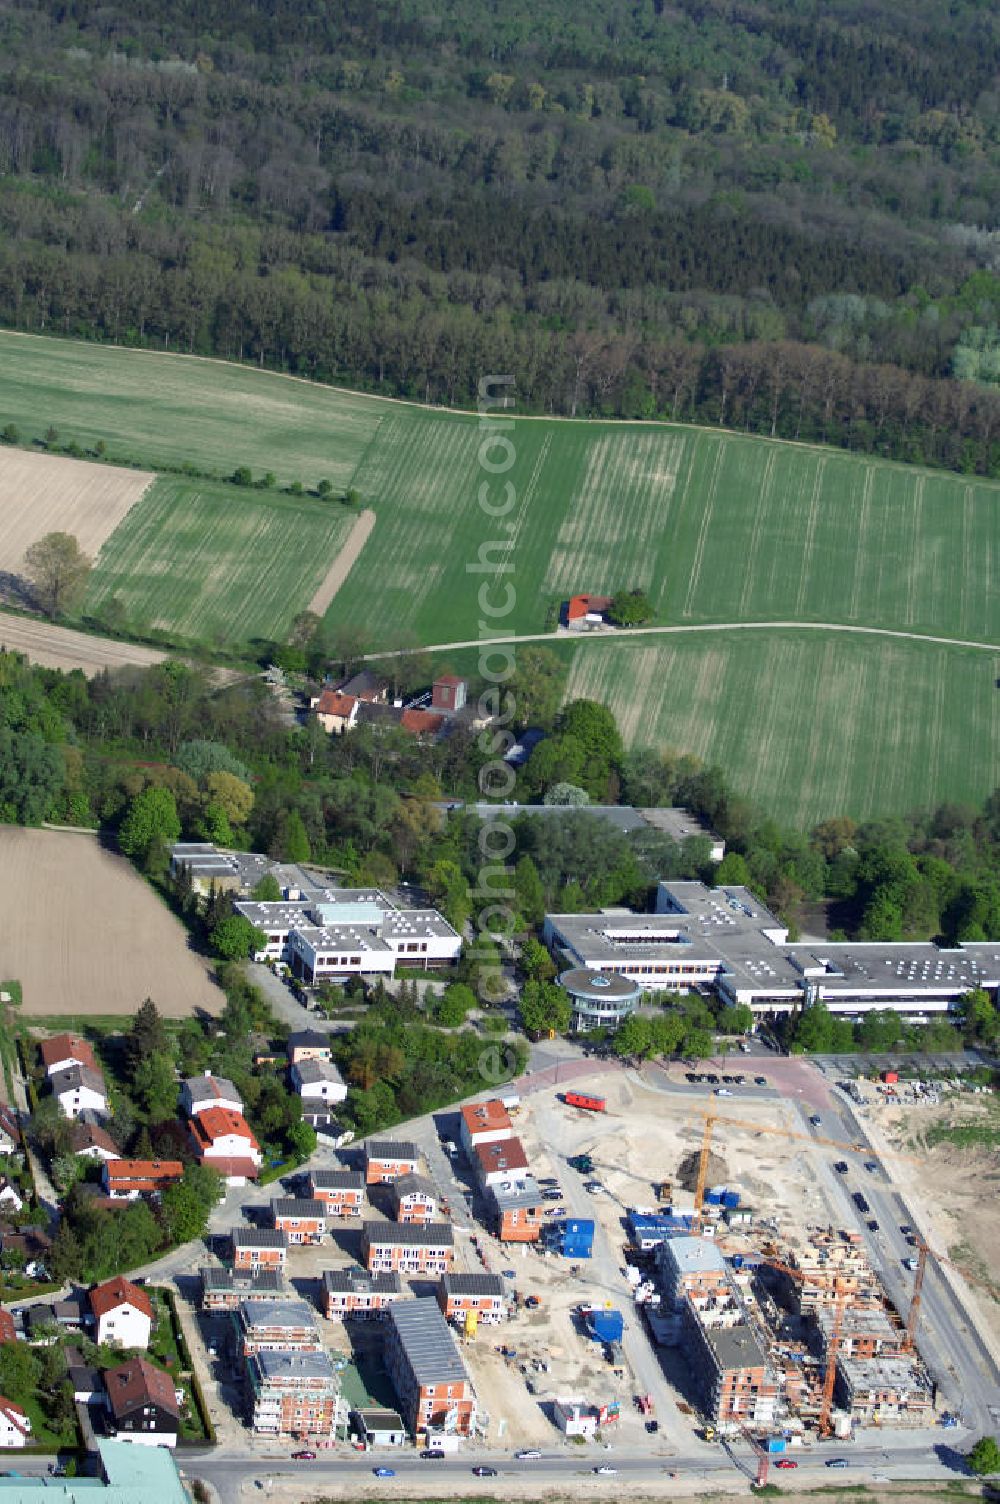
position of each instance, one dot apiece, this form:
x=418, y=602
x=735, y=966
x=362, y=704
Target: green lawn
x=217, y=563
x=807, y=724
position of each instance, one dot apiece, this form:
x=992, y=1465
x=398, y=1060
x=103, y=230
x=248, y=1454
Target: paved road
x=236, y=1477
x=612, y=635
x=967, y=1375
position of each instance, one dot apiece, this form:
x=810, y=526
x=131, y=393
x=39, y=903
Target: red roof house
x=64, y=1050
x=582, y=606
x=421, y=722
x=224, y=1141
x=127, y=1179
x=336, y=712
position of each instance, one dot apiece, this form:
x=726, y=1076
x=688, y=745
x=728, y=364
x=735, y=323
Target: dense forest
x=780, y=215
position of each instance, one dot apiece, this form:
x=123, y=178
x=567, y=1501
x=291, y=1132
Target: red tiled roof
x=67, y=1047
x=141, y=1174
x=217, y=1122
x=579, y=605
x=119, y=1292
x=452, y=680
x=16, y=1415
x=137, y=1383
x=332, y=702
x=8, y=1332
x=486, y=1115
x=231, y=1164
x=508, y=1154
x=421, y=722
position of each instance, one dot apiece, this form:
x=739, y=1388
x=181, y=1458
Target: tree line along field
x=808, y=724
x=715, y=526
x=218, y=563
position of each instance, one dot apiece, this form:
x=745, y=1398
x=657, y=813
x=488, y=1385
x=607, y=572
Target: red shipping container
x=592, y=1104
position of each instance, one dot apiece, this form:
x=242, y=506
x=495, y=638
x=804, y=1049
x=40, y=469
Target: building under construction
x=790, y=1334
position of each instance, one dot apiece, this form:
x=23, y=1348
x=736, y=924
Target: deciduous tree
x=58, y=570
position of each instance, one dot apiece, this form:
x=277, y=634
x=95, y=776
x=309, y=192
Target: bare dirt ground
x=637, y=1144
x=956, y=1187
x=344, y=562
x=44, y=493
x=58, y=647
x=84, y=935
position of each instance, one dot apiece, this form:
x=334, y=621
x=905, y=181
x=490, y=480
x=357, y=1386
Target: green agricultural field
x=715, y=526
x=806, y=723
x=168, y=410
x=215, y=563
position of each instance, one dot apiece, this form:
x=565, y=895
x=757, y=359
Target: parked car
x=553, y=1195
x=841, y=1167
x=606, y=1472
x=384, y=1472
x=484, y=1472
x=712, y=1079
x=904, y=1228
x=723, y=1091
x=910, y=1264
x=871, y=1166
x=785, y=1462
x=760, y=1080
x=527, y=1454
x=816, y=1120
x=652, y=1426
x=432, y=1454
x=872, y=1225
x=691, y=1076
x=304, y=1456
x=837, y=1462
x=509, y=1273
x=860, y=1202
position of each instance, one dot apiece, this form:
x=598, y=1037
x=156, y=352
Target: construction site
x=764, y=1313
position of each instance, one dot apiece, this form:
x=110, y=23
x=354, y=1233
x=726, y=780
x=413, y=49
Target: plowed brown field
x=84, y=935
x=43, y=493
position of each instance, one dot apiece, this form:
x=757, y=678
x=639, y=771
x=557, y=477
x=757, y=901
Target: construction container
x=582, y=1099
x=775, y=1445
x=605, y=1325
x=890, y=1078
x=715, y=1194
x=731, y=1199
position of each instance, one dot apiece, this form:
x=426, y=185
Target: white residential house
x=10, y=1131
x=79, y=1089
x=15, y=1426
x=318, y=1081
x=123, y=1313
x=198, y=1093
x=65, y=1050
x=11, y=1199
x=91, y=1141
